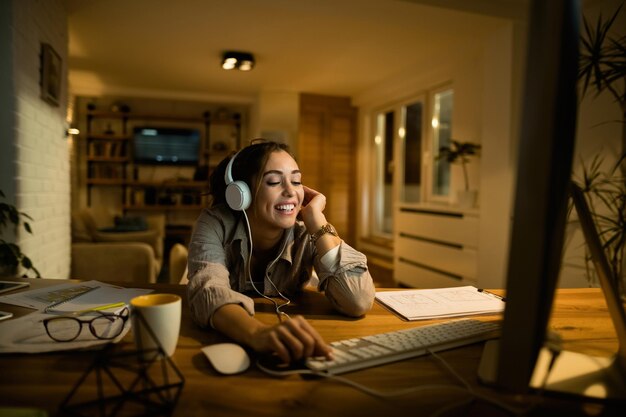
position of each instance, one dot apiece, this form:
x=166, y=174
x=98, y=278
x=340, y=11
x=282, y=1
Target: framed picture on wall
x=50, y=74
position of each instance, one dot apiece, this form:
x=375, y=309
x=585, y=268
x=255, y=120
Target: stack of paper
x=441, y=302
x=28, y=334
x=70, y=297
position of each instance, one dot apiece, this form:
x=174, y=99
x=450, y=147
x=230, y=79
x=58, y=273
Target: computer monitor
x=545, y=157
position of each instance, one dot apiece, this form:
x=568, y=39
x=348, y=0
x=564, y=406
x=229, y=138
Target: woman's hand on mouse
x=292, y=340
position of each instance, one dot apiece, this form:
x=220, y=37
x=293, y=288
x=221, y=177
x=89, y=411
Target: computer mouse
x=227, y=358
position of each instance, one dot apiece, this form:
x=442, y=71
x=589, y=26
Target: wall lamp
x=242, y=61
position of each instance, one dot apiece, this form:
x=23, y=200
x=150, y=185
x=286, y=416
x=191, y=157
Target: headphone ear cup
x=238, y=195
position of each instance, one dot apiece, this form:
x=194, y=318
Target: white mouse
x=227, y=358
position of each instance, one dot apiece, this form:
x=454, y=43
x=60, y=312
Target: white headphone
x=238, y=195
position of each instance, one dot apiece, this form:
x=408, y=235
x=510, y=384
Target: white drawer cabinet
x=435, y=248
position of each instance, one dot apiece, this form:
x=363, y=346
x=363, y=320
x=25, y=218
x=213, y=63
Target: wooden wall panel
x=327, y=156
x=310, y=149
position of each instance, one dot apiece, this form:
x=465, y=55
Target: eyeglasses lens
x=63, y=329
x=107, y=327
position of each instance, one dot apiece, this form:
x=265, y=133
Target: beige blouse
x=218, y=253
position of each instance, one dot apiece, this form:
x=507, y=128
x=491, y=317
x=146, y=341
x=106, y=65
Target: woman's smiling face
x=280, y=194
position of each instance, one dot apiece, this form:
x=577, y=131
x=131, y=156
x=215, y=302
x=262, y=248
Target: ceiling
x=334, y=47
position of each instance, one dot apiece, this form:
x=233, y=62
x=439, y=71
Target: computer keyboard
x=364, y=352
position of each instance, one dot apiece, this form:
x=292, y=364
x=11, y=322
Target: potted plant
x=602, y=68
x=460, y=152
x=11, y=257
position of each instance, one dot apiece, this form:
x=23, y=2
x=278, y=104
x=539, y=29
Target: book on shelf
x=108, y=147
x=106, y=171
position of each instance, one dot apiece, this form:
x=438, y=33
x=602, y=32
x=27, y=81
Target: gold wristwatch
x=327, y=228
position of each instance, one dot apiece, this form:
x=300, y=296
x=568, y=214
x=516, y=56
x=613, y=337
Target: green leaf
x=26, y=262
x=14, y=216
x=38, y=275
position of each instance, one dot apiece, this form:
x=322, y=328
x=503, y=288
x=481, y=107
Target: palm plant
x=602, y=67
x=11, y=255
x=459, y=152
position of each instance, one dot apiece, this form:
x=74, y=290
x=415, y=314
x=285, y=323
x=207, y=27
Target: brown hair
x=247, y=167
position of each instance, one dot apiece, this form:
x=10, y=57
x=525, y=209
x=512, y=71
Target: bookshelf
x=110, y=163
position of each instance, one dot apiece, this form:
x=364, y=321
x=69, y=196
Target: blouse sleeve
x=209, y=286
x=347, y=283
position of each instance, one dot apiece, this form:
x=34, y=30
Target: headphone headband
x=228, y=175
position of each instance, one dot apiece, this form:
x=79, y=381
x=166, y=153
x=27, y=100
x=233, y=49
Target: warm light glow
x=73, y=131
x=229, y=63
x=378, y=140
x=245, y=65
x=232, y=60
x=401, y=132
x=435, y=123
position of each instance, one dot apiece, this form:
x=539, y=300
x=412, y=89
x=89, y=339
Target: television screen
x=166, y=146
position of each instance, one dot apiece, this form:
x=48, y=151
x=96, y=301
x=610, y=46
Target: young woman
x=289, y=236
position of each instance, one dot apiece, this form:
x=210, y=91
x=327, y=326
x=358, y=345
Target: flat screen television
x=165, y=145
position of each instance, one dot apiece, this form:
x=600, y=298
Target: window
x=441, y=125
x=411, y=135
x=397, y=130
x=405, y=164
x=383, y=181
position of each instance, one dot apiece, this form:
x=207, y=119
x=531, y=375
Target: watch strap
x=327, y=228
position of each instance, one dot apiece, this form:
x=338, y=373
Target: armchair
x=117, y=261
x=178, y=264
x=99, y=253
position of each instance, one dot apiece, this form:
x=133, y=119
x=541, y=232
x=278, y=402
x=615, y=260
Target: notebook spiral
x=66, y=296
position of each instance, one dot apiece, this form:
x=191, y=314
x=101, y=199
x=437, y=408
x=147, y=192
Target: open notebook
x=440, y=302
x=71, y=297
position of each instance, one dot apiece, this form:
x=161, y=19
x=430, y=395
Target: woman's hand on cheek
x=293, y=340
x=313, y=206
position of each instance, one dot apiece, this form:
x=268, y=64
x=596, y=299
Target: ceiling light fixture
x=243, y=61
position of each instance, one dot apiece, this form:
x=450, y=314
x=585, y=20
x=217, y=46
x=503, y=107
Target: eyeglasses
x=104, y=326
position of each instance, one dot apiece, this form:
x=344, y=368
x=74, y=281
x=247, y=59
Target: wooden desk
x=43, y=380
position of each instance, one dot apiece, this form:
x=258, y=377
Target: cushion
x=127, y=224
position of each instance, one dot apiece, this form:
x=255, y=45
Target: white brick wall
x=41, y=168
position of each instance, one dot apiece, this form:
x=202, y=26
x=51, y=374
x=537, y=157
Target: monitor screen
x=544, y=168
x=166, y=146
x=546, y=148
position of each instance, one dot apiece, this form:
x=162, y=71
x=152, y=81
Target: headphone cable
x=277, y=306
